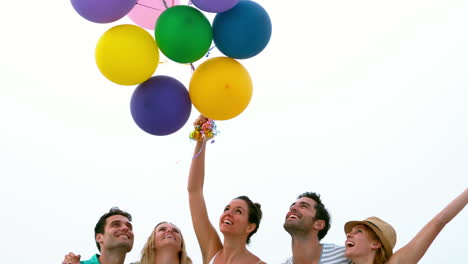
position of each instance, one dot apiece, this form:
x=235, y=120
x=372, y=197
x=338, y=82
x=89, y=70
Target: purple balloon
x=215, y=6
x=161, y=105
x=103, y=11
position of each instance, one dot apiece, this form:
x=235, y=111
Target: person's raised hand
x=71, y=258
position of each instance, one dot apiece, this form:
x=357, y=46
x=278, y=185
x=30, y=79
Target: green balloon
x=183, y=34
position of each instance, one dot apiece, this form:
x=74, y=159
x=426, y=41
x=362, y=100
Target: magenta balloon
x=146, y=12
x=103, y=11
x=215, y=6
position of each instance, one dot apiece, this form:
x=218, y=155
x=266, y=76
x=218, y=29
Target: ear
x=99, y=238
x=319, y=224
x=376, y=244
x=251, y=227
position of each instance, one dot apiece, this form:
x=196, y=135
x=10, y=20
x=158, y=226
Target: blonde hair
x=148, y=253
x=380, y=255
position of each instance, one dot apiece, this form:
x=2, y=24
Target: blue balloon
x=161, y=105
x=243, y=31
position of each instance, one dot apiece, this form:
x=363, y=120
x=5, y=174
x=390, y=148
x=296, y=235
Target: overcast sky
x=363, y=101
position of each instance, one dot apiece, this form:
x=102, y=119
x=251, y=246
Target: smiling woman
x=165, y=245
x=372, y=240
x=238, y=222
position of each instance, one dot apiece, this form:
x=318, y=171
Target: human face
x=235, y=218
x=301, y=215
x=359, y=244
x=118, y=233
x=167, y=234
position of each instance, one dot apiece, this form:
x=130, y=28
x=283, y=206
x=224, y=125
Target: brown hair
x=380, y=255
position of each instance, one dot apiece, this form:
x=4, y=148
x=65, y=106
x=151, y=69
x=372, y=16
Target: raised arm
x=417, y=247
x=208, y=238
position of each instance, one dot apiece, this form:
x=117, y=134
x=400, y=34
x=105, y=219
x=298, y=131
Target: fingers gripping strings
x=204, y=132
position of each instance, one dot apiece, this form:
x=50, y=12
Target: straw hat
x=384, y=231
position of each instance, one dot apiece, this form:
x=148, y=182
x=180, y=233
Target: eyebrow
x=121, y=222
x=228, y=206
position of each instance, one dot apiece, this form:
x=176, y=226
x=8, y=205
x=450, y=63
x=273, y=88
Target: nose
x=292, y=208
x=348, y=235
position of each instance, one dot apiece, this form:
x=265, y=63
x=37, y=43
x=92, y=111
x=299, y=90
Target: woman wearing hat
x=372, y=240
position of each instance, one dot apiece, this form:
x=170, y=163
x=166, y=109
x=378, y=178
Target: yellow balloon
x=127, y=55
x=220, y=88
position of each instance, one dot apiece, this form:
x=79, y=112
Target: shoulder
x=288, y=261
x=332, y=247
x=333, y=254
x=93, y=260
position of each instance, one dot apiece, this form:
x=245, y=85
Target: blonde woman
x=372, y=240
x=165, y=245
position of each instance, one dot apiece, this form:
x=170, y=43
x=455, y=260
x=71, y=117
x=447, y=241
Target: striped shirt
x=331, y=254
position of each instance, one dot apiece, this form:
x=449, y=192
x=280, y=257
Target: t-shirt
x=331, y=254
x=93, y=260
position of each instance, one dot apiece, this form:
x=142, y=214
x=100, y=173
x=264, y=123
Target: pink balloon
x=146, y=12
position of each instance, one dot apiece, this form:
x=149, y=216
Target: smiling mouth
x=227, y=222
x=126, y=236
x=349, y=244
x=293, y=217
x=169, y=236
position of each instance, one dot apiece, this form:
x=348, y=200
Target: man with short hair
x=113, y=234
x=308, y=221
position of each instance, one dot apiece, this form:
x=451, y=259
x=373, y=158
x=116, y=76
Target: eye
x=239, y=211
x=162, y=229
x=176, y=231
x=226, y=208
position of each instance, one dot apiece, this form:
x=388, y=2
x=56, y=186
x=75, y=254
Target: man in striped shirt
x=308, y=221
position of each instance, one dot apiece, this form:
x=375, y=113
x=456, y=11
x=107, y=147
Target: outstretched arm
x=417, y=247
x=208, y=239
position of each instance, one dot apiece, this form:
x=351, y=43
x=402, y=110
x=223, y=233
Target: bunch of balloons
x=220, y=87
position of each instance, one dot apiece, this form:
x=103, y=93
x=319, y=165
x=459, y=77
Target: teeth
x=349, y=243
x=293, y=216
x=168, y=236
x=227, y=222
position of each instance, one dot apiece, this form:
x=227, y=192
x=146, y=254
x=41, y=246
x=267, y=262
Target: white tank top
x=214, y=257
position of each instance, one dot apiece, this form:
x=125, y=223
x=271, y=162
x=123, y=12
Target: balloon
x=146, y=12
x=127, y=55
x=215, y=6
x=183, y=34
x=220, y=88
x=103, y=11
x=243, y=31
x=161, y=105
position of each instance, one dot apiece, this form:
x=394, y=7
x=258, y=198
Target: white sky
x=362, y=101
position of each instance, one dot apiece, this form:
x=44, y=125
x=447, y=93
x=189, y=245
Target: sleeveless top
x=212, y=260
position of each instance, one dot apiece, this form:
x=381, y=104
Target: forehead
x=306, y=200
x=118, y=218
x=238, y=203
x=167, y=225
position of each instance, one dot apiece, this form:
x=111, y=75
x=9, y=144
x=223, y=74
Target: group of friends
x=370, y=241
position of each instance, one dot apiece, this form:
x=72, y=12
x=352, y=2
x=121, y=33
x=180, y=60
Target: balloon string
x=149, y=6
x=165, y=4
x=201, y=148
x=208, y=53
x=192, y=67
